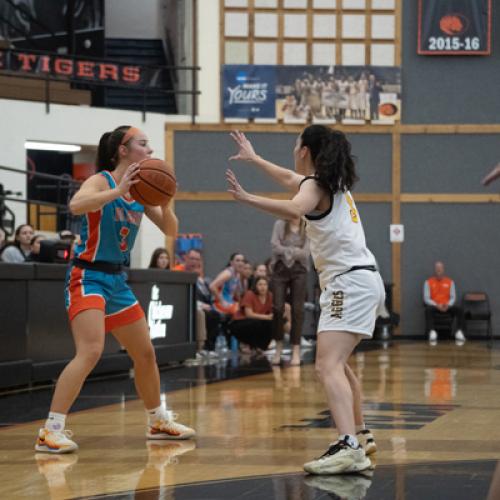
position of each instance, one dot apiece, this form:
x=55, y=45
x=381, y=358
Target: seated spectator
x=208, y=319
x=35, y=248
x=252, y=324
x=227, y=287
x=260, y=272
x=19, y=250
x=439, y=299
x=160, y=259
x=246, y=276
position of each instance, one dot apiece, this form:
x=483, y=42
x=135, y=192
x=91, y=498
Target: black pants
x=254, y=332
x=294, y=279
x=213, y=320
x=432, y=314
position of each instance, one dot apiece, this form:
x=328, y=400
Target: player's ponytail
x=107, y=151
x=332, y=158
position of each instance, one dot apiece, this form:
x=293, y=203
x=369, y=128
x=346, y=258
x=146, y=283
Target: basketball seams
x=138, y=195
x=152, y=185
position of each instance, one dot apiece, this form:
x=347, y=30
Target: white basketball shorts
x=351, y=302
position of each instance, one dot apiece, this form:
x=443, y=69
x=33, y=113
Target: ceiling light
x=52, y=146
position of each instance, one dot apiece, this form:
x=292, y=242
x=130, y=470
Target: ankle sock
x=351, y=440
x=159, y=413
x=360, y=428
x=55, y=421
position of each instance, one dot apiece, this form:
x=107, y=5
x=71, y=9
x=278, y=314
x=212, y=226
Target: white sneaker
x=351, y=486
x=306, y=343
x=340, y=458
x=55, y=441
x=367, y=441
x=169, y=429
x=433, y=336
x=459, y=337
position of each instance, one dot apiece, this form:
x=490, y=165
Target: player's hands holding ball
x=128, y=179
x=234, y=187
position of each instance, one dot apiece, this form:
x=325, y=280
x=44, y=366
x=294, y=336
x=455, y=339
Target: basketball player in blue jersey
x=98, y=298
x=352, y=289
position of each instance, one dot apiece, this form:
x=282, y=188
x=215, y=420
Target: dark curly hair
x=332, y=158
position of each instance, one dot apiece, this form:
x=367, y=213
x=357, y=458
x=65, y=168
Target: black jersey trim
x=326, y=212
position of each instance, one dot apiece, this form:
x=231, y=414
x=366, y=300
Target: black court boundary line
x=271, y=476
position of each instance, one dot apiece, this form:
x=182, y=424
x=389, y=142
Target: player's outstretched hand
x=234, y=186
x=245, y=148
x=494, y=174
x=128, y=179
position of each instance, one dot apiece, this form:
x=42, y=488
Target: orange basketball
x=157, y=184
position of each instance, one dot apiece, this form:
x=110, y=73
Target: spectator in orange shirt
x=439, y=299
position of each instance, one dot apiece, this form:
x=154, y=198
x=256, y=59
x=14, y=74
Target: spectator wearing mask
x=19, y=250
x=160, y=259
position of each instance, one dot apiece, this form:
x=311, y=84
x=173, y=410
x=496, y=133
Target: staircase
x=148, y=52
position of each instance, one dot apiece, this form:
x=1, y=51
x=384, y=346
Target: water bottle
x=234, y=344
x=224, y=348
x=218, y=344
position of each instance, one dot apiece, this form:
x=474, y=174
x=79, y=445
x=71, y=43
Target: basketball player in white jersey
x=352, y=290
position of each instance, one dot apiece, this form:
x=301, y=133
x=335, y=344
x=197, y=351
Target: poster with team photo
x=338, y=94
x=454, y=27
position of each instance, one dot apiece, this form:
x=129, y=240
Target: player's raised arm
x=492, y=176
x=95, y=192
x=305, y=201
x=283, y=176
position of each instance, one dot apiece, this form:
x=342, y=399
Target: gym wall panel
x=465, y=238
x=201, y=159
x=449, y=89
x=448, y=163
x=226, y=227
x=376, y=218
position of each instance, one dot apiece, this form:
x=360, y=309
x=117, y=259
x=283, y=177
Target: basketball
x=157, y=184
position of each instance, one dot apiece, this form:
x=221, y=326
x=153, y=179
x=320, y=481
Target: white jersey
x=337, y=240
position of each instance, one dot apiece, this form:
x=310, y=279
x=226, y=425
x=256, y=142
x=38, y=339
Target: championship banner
x=248, y=91
x=454, y=27
x=323, y=94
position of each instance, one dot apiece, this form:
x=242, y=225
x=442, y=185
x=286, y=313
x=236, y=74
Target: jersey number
x=352, y=211
x=124, y=232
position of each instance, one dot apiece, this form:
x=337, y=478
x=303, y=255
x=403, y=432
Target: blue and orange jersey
x=109, y=234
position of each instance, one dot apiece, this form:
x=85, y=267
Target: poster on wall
x=454, y=27
x=248, y=91
x=325, y=94
x=338, y=94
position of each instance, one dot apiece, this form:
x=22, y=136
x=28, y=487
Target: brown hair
x=107, y=152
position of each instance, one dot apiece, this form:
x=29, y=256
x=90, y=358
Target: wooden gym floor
x=434, y=411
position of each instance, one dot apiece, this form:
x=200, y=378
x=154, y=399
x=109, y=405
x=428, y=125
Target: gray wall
x=448, y=89
x=200, y=163
x=465, y=238
x=436, y=90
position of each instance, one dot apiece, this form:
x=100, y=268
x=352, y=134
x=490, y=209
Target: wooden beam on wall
x=396, y=219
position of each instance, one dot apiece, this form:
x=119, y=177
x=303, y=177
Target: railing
x=63, y=185
x=52, y=67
